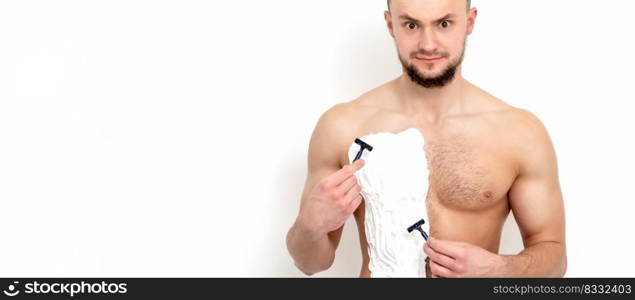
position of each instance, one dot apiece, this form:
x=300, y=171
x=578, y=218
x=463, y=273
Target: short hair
x=469, y=4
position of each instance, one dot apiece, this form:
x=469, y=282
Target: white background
x=169, y=138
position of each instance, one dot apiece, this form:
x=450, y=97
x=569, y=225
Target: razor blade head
x=363, y=145
x=416, y=225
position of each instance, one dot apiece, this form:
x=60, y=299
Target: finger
x=355, y=203
x=358, y=164
x=438, y=258
x=347, y=185
x=447, y=248
x=352, y=193
x=344, y=188
x=440, y=270
x=345, y=172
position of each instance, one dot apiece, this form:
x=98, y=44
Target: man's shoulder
x=519, y=130
x=347, y=117
x=339, y=125
x=347, y=114
x=341, y=121
x=523, y=123
x=520, y=133
x=511, y=118
x=529, y=141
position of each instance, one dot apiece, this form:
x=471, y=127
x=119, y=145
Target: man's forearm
x=546, y=259
x=312, y=252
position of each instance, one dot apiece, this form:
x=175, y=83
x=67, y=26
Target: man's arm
x=536, y=202
x=314, y=251
x=537, y=205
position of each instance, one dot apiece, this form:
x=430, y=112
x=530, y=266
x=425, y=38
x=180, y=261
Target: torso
x=472, y=167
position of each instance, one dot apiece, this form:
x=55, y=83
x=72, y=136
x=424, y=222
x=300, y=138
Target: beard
x=432, y=82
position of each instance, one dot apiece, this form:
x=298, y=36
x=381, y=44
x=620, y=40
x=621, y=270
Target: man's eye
x=445, y=24
x=411, y=26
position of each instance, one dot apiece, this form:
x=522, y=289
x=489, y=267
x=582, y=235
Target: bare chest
x=468, y=173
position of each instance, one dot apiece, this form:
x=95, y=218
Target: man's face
x=430, y=37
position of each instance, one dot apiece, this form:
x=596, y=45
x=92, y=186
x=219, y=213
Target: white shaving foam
x=394, y=183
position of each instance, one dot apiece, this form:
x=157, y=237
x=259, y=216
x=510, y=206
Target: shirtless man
x=485, y=159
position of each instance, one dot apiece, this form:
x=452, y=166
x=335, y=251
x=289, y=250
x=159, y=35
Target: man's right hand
x=333, y=200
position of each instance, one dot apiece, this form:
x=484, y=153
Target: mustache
x=429, y=53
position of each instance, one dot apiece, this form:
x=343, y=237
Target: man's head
x=430, y=37
x=469, y=4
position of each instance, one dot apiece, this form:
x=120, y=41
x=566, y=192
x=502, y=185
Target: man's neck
x=431, y=104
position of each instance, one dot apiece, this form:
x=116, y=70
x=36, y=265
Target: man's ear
x=388, y=18
x=471, y=20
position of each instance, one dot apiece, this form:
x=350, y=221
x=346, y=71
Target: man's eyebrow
x=409, y=18
x=448, y=16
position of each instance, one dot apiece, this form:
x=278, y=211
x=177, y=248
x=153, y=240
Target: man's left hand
x=459, y=259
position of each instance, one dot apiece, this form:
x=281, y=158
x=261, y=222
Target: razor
x=417, y=226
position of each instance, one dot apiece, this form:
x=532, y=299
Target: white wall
x=169, y=138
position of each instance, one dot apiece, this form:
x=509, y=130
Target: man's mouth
x=430, y=59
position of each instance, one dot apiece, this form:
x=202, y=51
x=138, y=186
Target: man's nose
x=428, y=40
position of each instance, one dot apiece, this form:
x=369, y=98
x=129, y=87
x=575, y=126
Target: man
x=486, y=158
